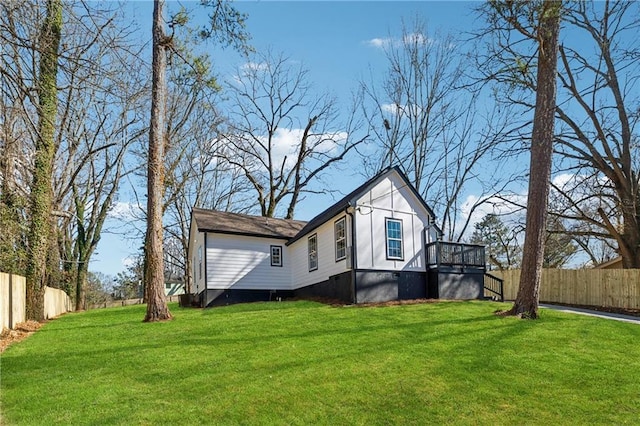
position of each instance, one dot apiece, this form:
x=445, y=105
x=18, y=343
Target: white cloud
x=246, y=70
x=412, y=110
x=413, y=38
x=392, y=109
x=416, y=38
x=285, y=142
x=124, y=211
x=128, y=261
x=379, y=42
x=561, y=180
x=254, y=66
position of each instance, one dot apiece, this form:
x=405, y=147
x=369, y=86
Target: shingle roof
x=291, y=230
x=242, y=224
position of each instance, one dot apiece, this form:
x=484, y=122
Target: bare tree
x=88, y=128
x=195, y=176
x=424, y=119
x=597, y=120
x=415, y=107
x=206, y=183
x=282, y=137
x=102, y=107
x=559, y=246
x=88, y=140
x=199, y=180
x=598, y=134
x=90, y=196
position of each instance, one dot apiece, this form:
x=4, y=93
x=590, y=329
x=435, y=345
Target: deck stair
x=494, y=285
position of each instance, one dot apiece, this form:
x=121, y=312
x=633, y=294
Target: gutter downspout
x=350, y=210
x=205, y=298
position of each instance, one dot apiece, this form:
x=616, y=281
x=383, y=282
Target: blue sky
x=337, y=41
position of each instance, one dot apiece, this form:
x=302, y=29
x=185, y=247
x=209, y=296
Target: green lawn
x=307, y=363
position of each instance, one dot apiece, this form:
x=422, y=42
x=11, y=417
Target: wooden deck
x=457, y=255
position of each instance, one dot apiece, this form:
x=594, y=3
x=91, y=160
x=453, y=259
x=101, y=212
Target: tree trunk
x=157, y=309
x=41, y=190
x=81, y=285
x=629, y=241
x=526, y=304
x=630, y=254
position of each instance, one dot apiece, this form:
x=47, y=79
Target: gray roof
x=291, y=230
x=242, y=224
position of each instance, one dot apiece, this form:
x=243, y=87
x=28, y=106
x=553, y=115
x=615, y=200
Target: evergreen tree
x=501, y=245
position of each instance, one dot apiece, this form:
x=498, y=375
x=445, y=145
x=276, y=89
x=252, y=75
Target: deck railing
x=494, y=285
x=441, y=253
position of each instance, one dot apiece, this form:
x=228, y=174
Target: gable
x=351, y=199
x=392, y=193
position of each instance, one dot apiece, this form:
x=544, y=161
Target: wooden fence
x=618, y=288
x=127, y=302
x=13, y=298
x=56, y=302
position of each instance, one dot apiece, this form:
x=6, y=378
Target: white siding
x=391, y=199
x=327, y=265
x=241, y=262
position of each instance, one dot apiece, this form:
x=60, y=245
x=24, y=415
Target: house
x=173, y=288
x=615, y=263
x=378, y=243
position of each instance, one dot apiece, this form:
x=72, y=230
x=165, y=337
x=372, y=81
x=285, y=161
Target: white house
x=372, y=245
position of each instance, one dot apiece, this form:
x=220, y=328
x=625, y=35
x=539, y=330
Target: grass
x=307, y=363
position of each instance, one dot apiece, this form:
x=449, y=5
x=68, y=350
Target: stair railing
x=494, y=285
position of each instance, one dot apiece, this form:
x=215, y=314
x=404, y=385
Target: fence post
x=11, y=324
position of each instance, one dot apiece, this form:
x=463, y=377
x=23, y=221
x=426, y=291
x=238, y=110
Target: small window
x=276, y=255
x=394, y=239
x=312, y=246
x=339, y=228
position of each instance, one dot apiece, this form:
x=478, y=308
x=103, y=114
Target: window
x=340, y=230
x=312, y=245
x=276, y=255
x=200, y=262
x=394, y=239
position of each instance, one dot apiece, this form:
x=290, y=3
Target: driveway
x=580, y=311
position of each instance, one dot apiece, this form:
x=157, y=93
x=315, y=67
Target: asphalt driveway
x=581, y=311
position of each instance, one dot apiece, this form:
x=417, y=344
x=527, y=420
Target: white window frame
x=312, y=250
x=276, y=259
x=200, y=262
x=341, y=241
x=388, y=239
